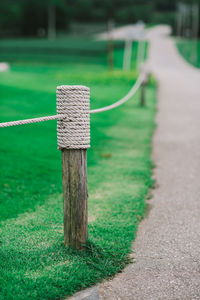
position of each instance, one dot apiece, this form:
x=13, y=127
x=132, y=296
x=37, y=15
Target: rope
x=74, y=132
x=70, y=114
x=132, y=91
x=34, y=120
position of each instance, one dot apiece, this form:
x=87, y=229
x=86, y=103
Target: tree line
x=42, y=17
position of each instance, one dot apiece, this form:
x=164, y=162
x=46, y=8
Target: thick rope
x=74, y=132
x=29, y=121
x=69, y=112
x=132, y=91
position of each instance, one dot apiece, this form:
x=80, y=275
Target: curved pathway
x=167, y=247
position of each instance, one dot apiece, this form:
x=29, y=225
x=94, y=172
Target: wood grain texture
x=75, y=195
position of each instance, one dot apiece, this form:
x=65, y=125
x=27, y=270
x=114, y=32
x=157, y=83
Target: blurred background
x=53, y=29
x=49, y=18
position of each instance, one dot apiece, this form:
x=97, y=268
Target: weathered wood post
x=73, y=135
x=110, y=45
x=142, y=100
x=143, y=90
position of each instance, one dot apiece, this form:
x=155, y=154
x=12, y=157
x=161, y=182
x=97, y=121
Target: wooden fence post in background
x=110, y=45
x=143, y=91
x=73, y=134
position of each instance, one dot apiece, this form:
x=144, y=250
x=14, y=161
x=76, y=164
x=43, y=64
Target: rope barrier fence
x=127, y=97
x=73, y=139
x=130, y=94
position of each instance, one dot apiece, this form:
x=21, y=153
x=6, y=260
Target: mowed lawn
x=34, y=264
x=190, y=50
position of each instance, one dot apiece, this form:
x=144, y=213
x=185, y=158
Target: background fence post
x=142, y=100
x=110, y=45
x=73, y=140
x=143, y=91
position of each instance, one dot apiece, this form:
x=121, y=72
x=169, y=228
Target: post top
x=73, y=87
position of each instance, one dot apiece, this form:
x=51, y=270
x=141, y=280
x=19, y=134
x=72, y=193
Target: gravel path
x=167, y=247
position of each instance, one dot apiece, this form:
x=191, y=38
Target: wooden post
x=139, y=57
x=74, y=176
x=110, y=45
x=143, y=91
x=73, y=140
x=142, y=99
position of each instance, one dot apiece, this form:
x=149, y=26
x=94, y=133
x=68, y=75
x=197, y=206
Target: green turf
x=190, y=50
x=33, y=261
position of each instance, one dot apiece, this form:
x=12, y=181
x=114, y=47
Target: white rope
x=29, y=121
x=74, y=132
x=132, y=91
x=69, y=113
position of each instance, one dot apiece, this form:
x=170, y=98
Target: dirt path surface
x=167, y=247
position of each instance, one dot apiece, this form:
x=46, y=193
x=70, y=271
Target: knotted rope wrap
x=73, y=131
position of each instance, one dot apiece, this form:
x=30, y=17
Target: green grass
x=68, y=50
x=190, y=50
x=33, y=261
